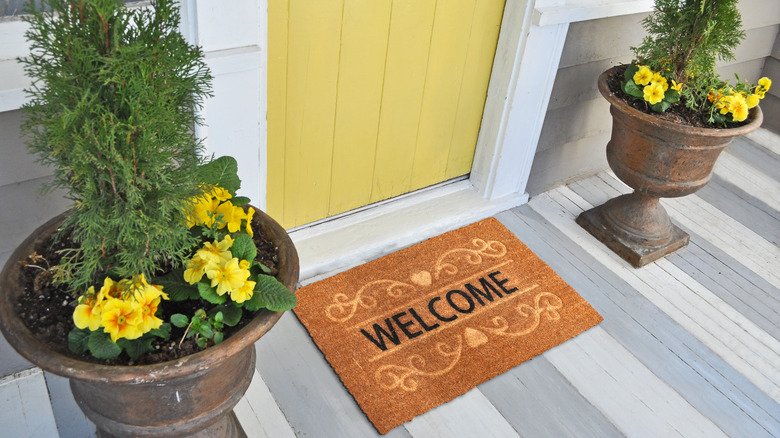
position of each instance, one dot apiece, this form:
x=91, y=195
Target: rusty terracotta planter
x=192, y=396
x=658, y=159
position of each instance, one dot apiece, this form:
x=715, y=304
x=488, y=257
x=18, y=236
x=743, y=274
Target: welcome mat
x=421, y=326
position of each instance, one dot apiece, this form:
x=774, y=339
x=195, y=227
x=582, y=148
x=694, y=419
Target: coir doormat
x=419, y=327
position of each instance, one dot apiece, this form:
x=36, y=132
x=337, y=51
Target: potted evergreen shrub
x=672, y=117
x=150, y=292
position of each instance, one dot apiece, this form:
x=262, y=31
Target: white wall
x=24, y=208
x=771, y=103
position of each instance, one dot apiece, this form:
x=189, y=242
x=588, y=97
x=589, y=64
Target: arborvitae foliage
x=686, y=37
x=112, y=111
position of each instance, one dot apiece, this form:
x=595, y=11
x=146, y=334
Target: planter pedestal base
x=636, y=227
x=227, y=427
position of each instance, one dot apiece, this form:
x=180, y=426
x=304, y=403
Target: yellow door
x=370, y=99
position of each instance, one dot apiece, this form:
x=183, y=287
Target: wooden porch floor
x=689, y=346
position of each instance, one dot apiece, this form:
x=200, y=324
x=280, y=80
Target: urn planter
x=191, y=396
x=658, y=159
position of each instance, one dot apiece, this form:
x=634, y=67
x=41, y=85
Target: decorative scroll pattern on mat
x=423, y=325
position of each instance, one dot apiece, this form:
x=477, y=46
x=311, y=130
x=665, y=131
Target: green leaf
x=255, y=303
x=163, y=331
x=275, y=294
x=717, y=117
x=262, y=267
x=660, y=106
x=218, y=337
x=630, y=72
x=222, y=172
x=209, y=294
x=101, y=346
x=179, y=320
x=77, y=340
x=174, y=285
x=672, y=96
x=243, y=247
x=633, y=89
x=202, y=342
x=239, y=201
x=231, y=314
x=136, y=347
x=205, y=331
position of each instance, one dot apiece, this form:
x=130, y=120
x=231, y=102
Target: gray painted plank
x=735, y=290
x=71, y=422
x=722, y=274
x=746, y=209
x=760, y=286
x=538, y=401
x=757, y=156
x=307, y=390
x=709, y=384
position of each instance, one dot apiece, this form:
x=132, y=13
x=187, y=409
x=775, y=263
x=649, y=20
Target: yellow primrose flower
x=653, y=93
x=196, y=268
x=243, y=293
x=752, y=100
x=134, y=283
x=216, y=252
x=110, y=289
x=725, y=104
x=221, y=194
x=249, y=213
x=148, y=301
x=677, y=87
x=764, y=84
x=227, y=277
x=659, y=79
x=244, y=264
x=739, y=108
x=231, y=215
x=88, y=312
x=120, y=319
x=643, y=76
x=205, y=211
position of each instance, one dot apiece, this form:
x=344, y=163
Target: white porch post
x=233, y=36
x=529, y=50
x=524, y=69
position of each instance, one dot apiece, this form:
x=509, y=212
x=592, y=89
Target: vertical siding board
x=471, y=104
x=312, y=76
x=362, y=65
x=277, y=91
x=411, y=25
x=446, y=63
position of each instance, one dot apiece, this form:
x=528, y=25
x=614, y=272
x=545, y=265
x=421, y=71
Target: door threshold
x=331, y=246
x=417, y=192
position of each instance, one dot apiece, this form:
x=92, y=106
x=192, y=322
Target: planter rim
x=21, y=338
x=755, y=116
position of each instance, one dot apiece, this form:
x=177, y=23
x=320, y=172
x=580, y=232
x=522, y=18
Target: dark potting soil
x=47, y=308
x=677, y=113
